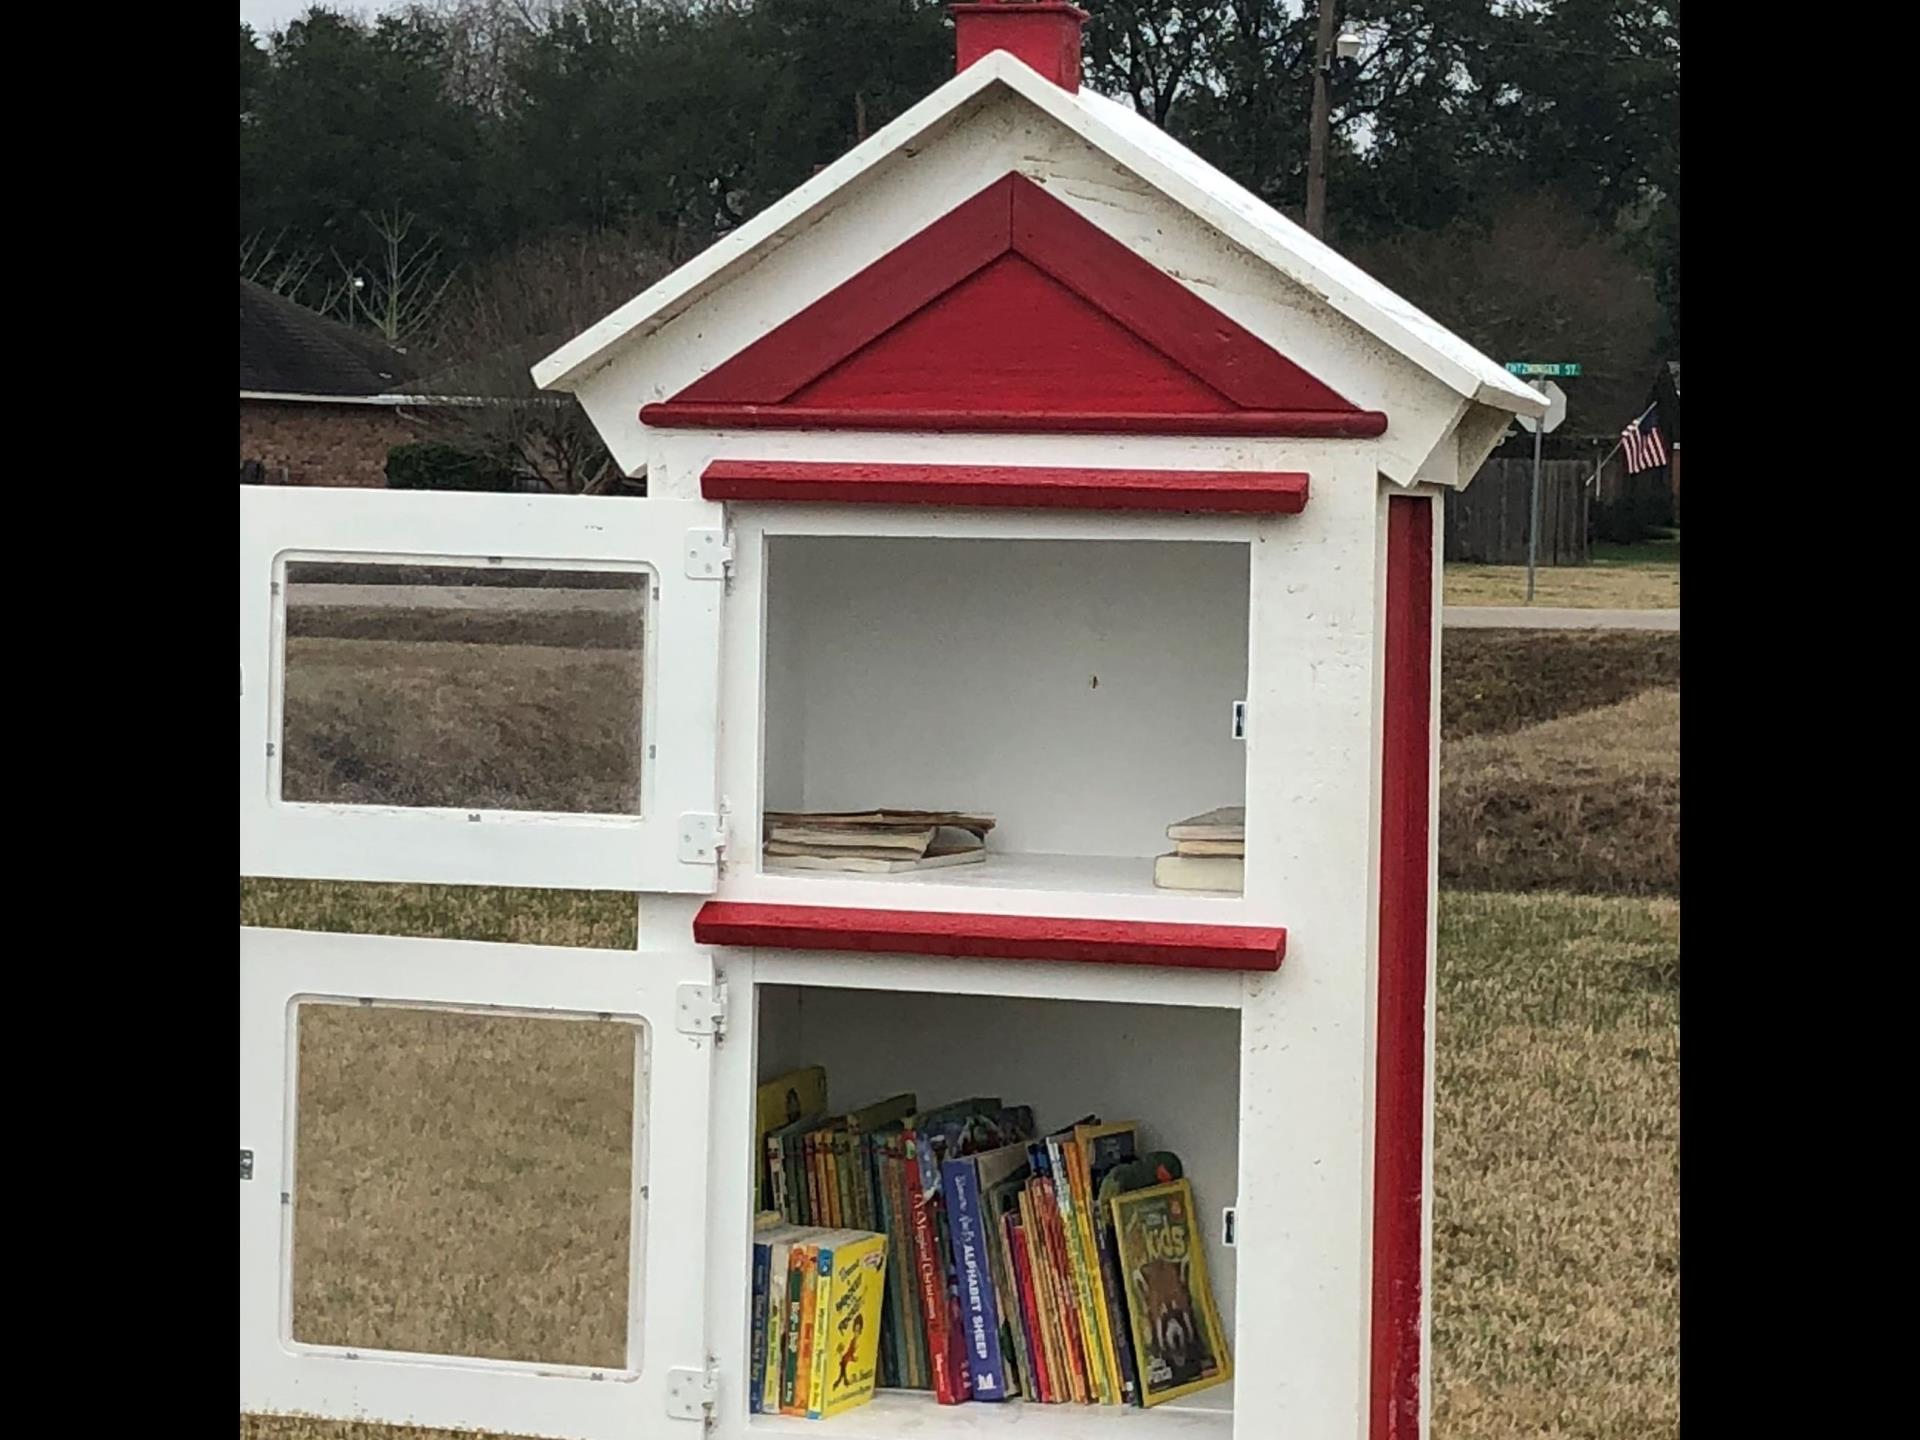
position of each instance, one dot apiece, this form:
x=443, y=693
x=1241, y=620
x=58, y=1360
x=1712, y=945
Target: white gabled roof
x=1132, y=141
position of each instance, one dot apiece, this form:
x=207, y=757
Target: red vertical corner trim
x=1405, y=896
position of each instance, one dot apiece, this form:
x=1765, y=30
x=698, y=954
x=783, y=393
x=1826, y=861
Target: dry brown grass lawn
x=1587, y=802
x=1586, y=587
x=1493, y=681
x=1556, y=1167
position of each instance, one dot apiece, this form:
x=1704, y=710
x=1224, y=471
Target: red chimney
x=1043, y=33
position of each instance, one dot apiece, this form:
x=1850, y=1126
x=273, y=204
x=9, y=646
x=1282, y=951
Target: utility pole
x=1317, y=129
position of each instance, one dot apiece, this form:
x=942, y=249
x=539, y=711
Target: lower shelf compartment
x=914, y=1412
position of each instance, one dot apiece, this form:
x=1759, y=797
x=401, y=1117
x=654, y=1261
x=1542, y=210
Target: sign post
x=1556, y=412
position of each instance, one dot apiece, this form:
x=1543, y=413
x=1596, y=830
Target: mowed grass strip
x=1556, y=1306
x=1602, y=585
x=1587, y=802
x=1556, y=1170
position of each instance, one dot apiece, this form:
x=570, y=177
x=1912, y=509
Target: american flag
x=1641, y=440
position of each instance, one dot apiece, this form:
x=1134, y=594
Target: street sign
x=1556, y=409
x=1534, y=367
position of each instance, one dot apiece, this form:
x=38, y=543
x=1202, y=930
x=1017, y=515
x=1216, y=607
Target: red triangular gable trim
x=919, y=340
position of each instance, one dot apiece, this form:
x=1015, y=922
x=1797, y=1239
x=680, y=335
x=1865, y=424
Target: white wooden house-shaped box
x=1017, y=462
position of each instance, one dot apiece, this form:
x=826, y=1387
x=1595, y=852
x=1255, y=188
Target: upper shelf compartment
x=1086, y=693
x=1257, y=492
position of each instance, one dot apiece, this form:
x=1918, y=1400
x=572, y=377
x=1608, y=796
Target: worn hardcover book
x=885, y=843
x=1200, y=872
x=855, y=864
x=1229, y=822
x=839, y=821
x=783, y=1100
x=1178, y=1343
x=1209, y=847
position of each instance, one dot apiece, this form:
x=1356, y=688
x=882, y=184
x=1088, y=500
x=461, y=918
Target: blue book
x=762, y=1264
x=979, y=1309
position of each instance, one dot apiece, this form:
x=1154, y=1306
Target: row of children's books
x=816, y=1317
x=1058, y=1268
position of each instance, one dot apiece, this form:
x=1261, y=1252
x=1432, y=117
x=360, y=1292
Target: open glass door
x=473, y=1184
x=479, y=689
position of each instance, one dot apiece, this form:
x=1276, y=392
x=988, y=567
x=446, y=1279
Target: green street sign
x=1531, y=367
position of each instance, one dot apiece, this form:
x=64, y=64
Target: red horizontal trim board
x=988, y=937
x=1025, y=486
x=1294, y=424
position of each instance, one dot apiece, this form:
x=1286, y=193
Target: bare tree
x=287, y=271
x=405, y=283
x=503, y=317
x=484, y=38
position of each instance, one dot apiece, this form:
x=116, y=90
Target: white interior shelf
x=1127, y=875
x=908, y=1412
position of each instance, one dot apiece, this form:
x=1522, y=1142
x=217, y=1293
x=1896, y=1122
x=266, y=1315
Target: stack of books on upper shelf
x=874, y=841
x=1209, y=852
x=1057, y=1268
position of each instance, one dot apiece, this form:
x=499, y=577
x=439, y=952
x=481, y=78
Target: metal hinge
x=1229, y=1228
x=246, y=1164
x=1239, y=719
x=701, y=1009
x=691, y=1393
x=709, y=555
x=703, y=835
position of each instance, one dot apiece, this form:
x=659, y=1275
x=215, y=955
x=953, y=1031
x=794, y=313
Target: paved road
x=1554, y=617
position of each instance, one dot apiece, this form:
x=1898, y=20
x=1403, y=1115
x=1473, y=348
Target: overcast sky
x=269, y=15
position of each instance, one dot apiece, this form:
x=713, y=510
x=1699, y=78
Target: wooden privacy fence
x=1487, y=522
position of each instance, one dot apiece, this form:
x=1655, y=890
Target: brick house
x=319, y=401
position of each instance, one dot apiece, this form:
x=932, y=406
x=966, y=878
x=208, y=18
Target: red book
x=1029, y=1312
x=949, y=1377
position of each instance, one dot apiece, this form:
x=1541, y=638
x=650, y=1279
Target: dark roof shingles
x=287, y=349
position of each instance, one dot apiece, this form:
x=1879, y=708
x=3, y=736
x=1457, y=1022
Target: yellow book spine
x=1081, y=1179
x=776, y=1333
x=850, y=1360
x=1104, y=1391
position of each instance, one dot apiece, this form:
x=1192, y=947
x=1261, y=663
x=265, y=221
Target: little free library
x=1014, y=707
